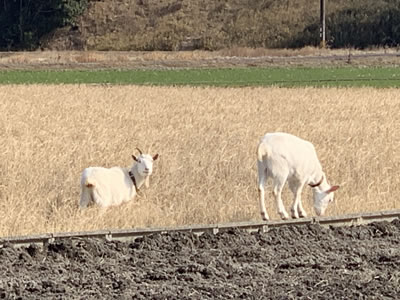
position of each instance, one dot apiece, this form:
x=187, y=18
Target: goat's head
x=323, y=195
x=144, y=163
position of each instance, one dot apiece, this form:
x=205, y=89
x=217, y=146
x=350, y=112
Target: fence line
x=132, y=234
x=264, y=82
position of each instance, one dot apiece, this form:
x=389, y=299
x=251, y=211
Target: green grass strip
x=284, y=77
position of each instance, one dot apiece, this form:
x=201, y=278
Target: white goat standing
x=108, y=187
x=285, y=157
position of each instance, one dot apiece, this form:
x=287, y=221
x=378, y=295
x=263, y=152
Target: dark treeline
x=206, y=24
x=369, y=23
x=24, y=22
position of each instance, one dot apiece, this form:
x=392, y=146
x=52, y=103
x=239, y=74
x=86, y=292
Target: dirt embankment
x=148, y=25
x=184, y=25
x=297, y=262
x=229, y=58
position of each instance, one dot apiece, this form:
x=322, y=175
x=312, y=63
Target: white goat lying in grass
x=285, y=157
x=107, y=187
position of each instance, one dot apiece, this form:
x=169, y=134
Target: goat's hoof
x=302, y=215
x=284, y=215
x=264, y=217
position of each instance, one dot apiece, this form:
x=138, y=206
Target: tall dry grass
x=206, y=138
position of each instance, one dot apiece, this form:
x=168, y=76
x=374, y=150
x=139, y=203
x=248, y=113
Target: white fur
x=285, y=157
x=113, y=186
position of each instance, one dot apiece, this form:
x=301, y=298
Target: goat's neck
x=140, y=180
x=324, y=185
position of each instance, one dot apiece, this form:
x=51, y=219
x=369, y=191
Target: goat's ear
x=155, y=157
x=332, y=189
x=134, y=157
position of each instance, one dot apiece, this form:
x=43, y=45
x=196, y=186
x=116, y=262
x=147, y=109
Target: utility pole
x=322, y=24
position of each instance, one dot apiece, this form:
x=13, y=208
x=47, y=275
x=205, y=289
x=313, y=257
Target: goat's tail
x=86, y=195
x=86, y=191
x=88, y=182
x=262, y=151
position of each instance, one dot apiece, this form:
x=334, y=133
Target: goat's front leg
x=297, y=208
x=278, y=187
x=301, y=211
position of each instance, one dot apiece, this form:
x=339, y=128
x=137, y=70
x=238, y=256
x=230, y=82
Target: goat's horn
x=140, y=151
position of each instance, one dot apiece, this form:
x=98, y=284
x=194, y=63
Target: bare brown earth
x=292, y=262
x=229, y=58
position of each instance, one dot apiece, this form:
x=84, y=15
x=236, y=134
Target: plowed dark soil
x=297, y=262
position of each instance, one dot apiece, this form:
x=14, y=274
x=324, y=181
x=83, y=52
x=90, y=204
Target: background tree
x=24, y=22
x=364, y=24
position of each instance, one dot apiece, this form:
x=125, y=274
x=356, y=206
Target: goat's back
x=100, y=175
x=283, y=150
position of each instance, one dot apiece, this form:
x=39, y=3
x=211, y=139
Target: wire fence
x=132, y=234
x=395, y=82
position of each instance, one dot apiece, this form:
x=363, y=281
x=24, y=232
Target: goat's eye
x=139, y=161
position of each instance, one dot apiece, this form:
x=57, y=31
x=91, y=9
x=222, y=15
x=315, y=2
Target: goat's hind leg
x=262, y=177
x=85, y=197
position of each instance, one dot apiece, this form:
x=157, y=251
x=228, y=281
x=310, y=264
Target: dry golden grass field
x=206, y=138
